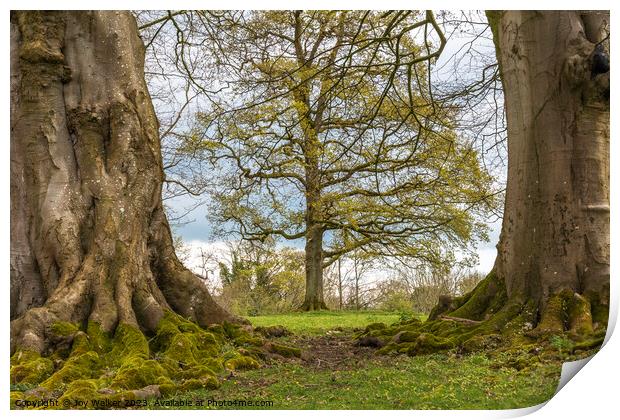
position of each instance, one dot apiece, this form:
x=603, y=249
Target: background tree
x=324, y=130
x=89, y=239
x=418, y=287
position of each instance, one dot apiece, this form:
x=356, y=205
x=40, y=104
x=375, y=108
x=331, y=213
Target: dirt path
x=333, y=352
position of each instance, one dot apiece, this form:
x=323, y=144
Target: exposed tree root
x=93, y=365
x=485, y=318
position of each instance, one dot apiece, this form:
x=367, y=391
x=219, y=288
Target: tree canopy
x=326, y=120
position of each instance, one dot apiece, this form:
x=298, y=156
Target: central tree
x=322, y=132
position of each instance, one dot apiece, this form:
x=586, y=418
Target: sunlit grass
x=319, y=322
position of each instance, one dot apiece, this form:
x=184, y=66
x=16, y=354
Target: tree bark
x=551, y=275
x=314, y=270
x=555, y=231
x=89, y=238
x=314, y=230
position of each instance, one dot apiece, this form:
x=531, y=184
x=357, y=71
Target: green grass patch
x=319, y=322
x=437, y=381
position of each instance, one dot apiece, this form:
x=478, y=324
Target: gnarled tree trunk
x=89, y=238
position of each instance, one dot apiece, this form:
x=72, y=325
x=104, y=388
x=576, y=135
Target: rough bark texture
x=555, y=233
x=89, y=238
x=553, y=253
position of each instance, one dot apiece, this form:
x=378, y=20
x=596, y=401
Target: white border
x=592, y=394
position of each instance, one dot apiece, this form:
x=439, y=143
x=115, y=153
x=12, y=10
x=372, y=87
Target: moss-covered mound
x=93, y=365
x=485, y=319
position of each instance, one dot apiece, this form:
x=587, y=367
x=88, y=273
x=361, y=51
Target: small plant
x=562, y=344
x=405, y=316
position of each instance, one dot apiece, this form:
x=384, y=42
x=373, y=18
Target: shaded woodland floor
x=334, y=373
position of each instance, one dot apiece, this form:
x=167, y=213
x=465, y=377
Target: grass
x=440, y=381
x=319, y=322
x=425, y=382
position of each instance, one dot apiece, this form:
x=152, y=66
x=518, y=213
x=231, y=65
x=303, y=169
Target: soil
x=334, y=352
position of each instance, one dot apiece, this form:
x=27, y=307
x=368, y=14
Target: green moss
x=30, y=368
x=81, y=344
x=24, y=356
x=375, y=326
x=500, y=321
x=81, y=390
x=488, y=297
x=137, y=373
x=233, y=330
x=208, y=382
x=100, y=340
x=16, y=395
x=128, y=343
x=180, y=356
x=424, y=344
x=588, y=344
x=64, y=329
x=248, y=340
x=482, y=342
x=216, y=329
x=406, y=336
x=599, y=309
x=428, y=343
x=579, y=315
x=168, y=389
x=411, y=322
x=216, y=364
x=555, y=315
x=258, y=353
x=285, y=351
x=389, y=348
x=81, y=366
x=241, y=362
x=196, y=372
x=181, y=350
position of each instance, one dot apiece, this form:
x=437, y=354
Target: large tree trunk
x=555, y=232
x=551, y=275
x=89, y=238
x=553, y=253
x=314, y=229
